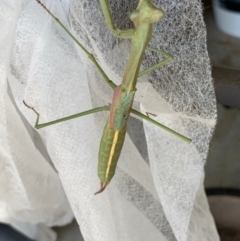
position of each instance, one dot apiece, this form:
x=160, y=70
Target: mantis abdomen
x=109, y=152
x=113, y=135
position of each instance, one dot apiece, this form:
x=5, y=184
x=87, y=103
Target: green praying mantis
x=145, y=15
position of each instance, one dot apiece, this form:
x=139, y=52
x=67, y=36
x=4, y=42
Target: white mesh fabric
x=45, y=68
x=31, y=194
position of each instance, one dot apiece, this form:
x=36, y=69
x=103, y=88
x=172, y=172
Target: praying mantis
x=145, y=15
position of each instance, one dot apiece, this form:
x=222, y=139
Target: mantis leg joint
x=91, y=57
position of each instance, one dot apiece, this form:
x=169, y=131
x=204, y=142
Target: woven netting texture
x=157, y=192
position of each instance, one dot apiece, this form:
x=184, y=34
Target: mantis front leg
x=109, y=21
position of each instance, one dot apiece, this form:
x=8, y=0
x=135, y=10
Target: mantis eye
x=134, y=15
x=157, y=15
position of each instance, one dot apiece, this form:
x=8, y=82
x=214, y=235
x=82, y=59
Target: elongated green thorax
x=143, y=18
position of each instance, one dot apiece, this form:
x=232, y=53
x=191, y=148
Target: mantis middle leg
x=88, y=112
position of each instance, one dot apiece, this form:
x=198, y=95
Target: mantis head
x=146, y=12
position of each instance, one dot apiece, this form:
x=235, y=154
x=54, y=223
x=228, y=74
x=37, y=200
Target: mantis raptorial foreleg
x=114, y=132
x=109, y=21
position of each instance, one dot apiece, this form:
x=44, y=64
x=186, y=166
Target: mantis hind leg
x=139, y=114
x=88, y=112
x=169, y=58
x=90, y=56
